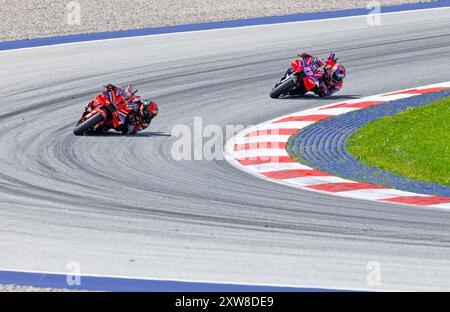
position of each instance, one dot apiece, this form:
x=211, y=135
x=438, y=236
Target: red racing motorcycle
x=299, y=79
x=103, y=114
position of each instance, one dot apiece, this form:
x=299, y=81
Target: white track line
x=225, y=29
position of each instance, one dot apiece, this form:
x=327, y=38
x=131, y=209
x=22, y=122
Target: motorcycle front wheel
x=282, y=88
x=88, y=124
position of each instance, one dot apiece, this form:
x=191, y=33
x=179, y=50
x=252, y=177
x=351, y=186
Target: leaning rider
x=140, y=111
x=140, y=116
x=334, y=73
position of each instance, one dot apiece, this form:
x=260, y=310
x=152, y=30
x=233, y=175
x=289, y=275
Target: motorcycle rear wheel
x=282, y=88
x=88, y=124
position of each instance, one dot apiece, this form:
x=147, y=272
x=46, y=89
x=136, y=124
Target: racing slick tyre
x=88, y=124
x=282, y=88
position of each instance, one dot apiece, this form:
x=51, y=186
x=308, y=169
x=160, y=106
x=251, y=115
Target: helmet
x=149, y=110
x=338, y=73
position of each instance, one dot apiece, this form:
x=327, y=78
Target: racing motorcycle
x=101, y=115
x=299, y=79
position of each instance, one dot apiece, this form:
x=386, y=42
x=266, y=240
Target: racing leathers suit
x=326, y=85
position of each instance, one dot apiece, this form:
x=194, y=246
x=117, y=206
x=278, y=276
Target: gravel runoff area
x=14, y=288
x=43, y=18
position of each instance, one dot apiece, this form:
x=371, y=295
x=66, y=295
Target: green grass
x=414, y=143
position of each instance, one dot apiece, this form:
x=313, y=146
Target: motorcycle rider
x=141, y=111
x=334, y=73
x=140, y=117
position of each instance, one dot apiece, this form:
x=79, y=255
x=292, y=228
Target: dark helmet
x=149, y=110
x=339, y=73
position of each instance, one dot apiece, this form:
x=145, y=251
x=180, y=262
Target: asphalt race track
x=122, y=205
